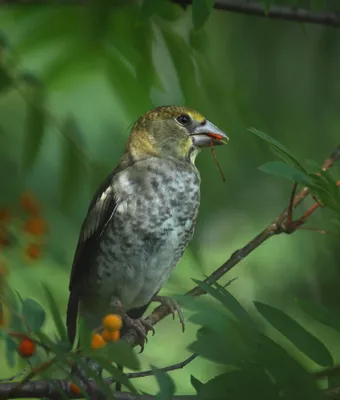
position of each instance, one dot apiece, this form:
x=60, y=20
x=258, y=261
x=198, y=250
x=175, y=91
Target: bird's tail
x=72, y=313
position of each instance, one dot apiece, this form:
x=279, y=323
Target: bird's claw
x=173, y=307
x=141, y=326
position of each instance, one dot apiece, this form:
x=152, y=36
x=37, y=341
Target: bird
x=140, y=220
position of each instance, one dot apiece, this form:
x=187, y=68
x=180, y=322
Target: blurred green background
x=102, y=69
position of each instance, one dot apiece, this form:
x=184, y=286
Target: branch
x=53, y=388
x=172, y=367
x=279, y=225
x=277, y=12
x=287, y=13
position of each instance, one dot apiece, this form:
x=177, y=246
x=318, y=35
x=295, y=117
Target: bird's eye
x=184, y=119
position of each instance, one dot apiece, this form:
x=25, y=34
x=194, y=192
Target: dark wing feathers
x=100, y=212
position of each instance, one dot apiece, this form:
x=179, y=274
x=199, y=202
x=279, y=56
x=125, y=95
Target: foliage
x=121, y=43
x=227, y=334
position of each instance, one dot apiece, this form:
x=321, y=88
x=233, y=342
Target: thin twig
x=150, y=372
x=287, y=13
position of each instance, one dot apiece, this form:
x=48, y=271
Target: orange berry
x=35, y=226
x=74, y=388
x=5, y=215
x=26, y=348
x=29, y=203
x=33, y=251
x=113, y=322
x=97, y=341
x=110, y=336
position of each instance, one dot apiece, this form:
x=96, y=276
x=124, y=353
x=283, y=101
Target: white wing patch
x=94, y=219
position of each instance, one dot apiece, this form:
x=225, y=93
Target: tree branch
x=277, y=12
x=52, y=389
x=287, y=13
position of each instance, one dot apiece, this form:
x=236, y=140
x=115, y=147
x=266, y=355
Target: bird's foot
x=173, y=307
x=141, y=326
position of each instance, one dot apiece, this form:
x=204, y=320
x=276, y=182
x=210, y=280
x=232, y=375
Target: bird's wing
x=101, y=211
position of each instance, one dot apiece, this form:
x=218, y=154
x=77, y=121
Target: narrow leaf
x=34, y=314
x=72, y=163
x=279, y=149
x=296, y=334
x=59, y=323
x=121, y=353
x=15, y=324
x=292, y=380
x=241, y=385
x=286, y=171
x=321, y=314
x=35, y=125
x=201, y=10
x=5, y=79
x=228, y=300
x=165, y=383
x=197, y=384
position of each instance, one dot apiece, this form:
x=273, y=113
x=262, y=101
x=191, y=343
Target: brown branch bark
x=52, y=389
x=277, y=12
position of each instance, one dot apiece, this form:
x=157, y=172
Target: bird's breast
x=152, y=225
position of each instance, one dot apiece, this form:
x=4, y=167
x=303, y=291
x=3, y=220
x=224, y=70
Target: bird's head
x=173, y=132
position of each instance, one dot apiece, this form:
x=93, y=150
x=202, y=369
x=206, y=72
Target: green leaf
x=15, y=324
x=35, y=125
x=72, y=162
x=182, y=58
x=169, y=11
x=124, y=82
x=5, y=79
x=98, y=21
x=241, y=385
x=102, y=386
x=225, y=298
x=279, y=149
x=231, y=347
x=165, y=383
x=59, y=323
x=116, y=374
x=321, y=314
x=293, y=381
x=85, y=335
x=206, y=312
x=121, y=353
x=286, y=171
x=201, y=10
x=296, y=334
x=197, y=384
x=34, y=314
x=148, y=7
x=198, y=39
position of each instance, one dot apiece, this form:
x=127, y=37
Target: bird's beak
x=208, y=134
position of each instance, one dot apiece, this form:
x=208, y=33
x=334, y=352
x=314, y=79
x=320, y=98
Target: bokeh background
x=100, y=69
